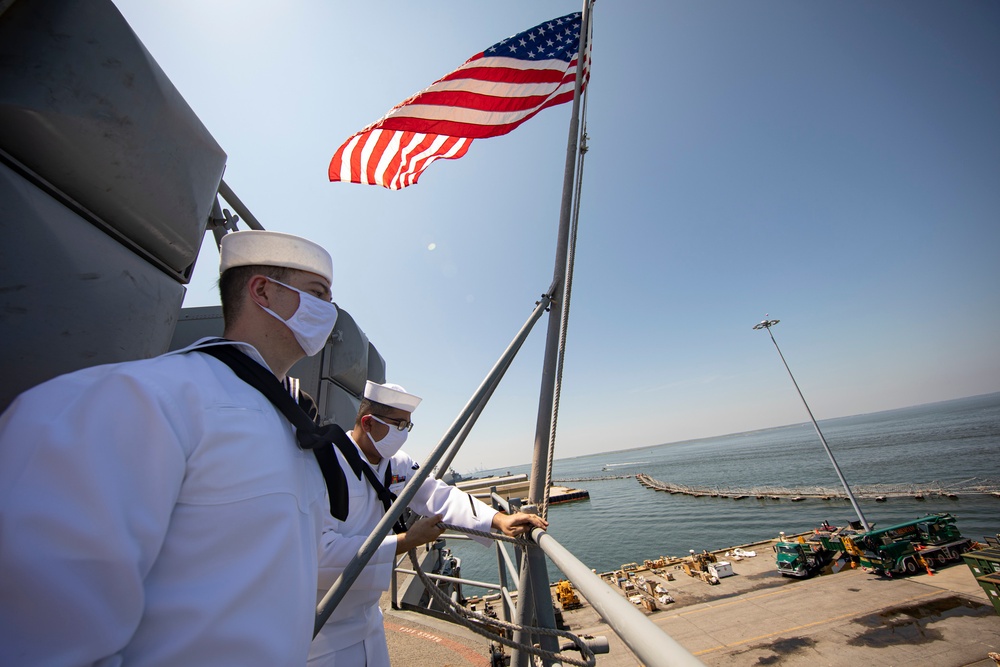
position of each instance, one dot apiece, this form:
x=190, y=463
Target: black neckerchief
x=308, y=434
x=350, y=452
x=360, y=467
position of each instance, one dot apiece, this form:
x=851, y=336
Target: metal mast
x=534, y=576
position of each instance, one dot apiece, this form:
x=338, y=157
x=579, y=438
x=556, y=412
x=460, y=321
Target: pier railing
x=648, y=641
x=650, y=644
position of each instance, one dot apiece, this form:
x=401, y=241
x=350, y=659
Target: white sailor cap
x=391, y=395
x=267, y=248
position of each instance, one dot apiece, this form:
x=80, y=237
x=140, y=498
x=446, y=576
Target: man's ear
x=257, y=288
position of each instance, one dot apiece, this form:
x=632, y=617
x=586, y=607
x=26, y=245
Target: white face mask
x=311, y=323
x=392, y=442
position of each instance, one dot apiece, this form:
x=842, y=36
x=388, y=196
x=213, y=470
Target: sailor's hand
x=515, y=525
x=425, y=529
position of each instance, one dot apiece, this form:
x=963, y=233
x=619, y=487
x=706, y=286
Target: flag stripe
x=449, y=103
x=356, y=158
x=387, y=154
x=375, y=157
x=452, y=149
x=504, y=84
x=339, y=168
x=490, y=94
x=480, y=96
x=483, y=61
x=492, y=125
x=499, y=73
x=473, y=115
x=415, y=144
x=374, y=146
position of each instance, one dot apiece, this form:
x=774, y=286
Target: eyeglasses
x=320, y=294
x=400, y=424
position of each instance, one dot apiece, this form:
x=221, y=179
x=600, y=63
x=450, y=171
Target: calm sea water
x=946, y=442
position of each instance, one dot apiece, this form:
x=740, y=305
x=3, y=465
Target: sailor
x=354, y=635
x=161, y=512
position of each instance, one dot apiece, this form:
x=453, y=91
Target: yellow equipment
x=567, y=598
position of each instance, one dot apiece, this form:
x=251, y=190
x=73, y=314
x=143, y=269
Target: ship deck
x=758, y=617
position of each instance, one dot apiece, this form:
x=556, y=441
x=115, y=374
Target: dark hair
x=370, y=407
x=232, y=285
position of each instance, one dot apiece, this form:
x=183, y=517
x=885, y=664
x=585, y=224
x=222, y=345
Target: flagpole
x=557, y=290
x=534, y=575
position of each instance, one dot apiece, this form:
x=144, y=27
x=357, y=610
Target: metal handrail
x=649, y=642
x=653, y=646
x=374, y=540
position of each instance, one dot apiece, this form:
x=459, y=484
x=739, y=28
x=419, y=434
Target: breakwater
x=949, y=442
x=876, y=492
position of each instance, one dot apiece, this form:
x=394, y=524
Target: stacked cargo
x=991, y=584
x=985, y=566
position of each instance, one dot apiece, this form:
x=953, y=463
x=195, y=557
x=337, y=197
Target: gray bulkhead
x=108, y=180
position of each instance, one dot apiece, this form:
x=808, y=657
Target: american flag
x=490, y=95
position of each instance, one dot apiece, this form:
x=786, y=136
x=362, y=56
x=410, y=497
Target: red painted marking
x=471, y=656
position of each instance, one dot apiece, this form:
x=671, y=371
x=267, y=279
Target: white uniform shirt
x=358, y=616
x=155, y=512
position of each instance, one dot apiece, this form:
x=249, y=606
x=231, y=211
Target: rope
x=519, y=541
x=480, y=623
x=564, y=322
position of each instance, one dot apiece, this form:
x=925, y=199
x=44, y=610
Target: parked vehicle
x=904, y=548
x=801, y=558
x=908, y=547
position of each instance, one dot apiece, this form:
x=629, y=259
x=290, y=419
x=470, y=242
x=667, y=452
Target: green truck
x=904, y=548
x=801, y=559
x=804, y=555
x=908, y=547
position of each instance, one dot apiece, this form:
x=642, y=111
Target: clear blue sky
x=834, y=164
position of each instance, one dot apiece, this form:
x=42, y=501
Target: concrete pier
x=516, y=486
x=757, y=617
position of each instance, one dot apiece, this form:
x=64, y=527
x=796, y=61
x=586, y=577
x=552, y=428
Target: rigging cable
x=564, y=323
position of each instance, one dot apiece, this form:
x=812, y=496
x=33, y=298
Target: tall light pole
x=767, y=324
